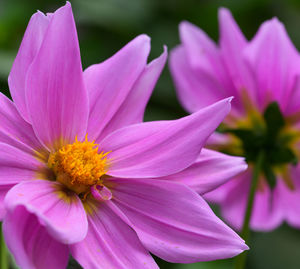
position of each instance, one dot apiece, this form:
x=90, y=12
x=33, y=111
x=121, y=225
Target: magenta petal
x=16, y=165
x=110, y=82
x=205, y=58
x=195, y=89
x=201, y=51
x=56, y=96
x=294, y=104
x=30, y=244
x=267, y=213
x=275, y=61
x=173, y=222
x=210, y=170
x=3, y=191
x=289, y=199
x=14, y=130
x=110, y=243
x=155, y=149
x=132, y=109
x=232, y=43
x=62, y=214
x=233, y=196
x=30, y=46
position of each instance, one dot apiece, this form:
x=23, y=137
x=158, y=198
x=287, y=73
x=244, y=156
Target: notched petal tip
x=161, y=60
x=66, y=8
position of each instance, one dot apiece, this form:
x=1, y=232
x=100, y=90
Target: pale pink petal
x=173, y=222
x=289, y=199
x=155, y=149
x=195, y=90
x=294, y=104
x=210, y=170
x=217, y=138
x=201, y=51
x=3, y=191
x=110, y=243
x=56, y=96
x=110, y=82
x=14, y=129
x=219, y=195
x=62, y=213
x=267, y=213
x=17, y=165
x=275, y=61
x=232, y=44
x=204, y=56
x=132, y=109
x=30, y=46
x=30, y=243
x=234, y=196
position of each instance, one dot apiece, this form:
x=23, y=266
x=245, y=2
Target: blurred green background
x=104, y=26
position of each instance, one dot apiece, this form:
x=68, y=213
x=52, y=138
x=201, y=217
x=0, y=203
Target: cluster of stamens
x=79, y=165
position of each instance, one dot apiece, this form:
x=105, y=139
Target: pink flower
x=81, y=174
x=264, y=76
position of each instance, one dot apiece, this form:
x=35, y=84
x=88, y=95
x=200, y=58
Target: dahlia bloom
x=82, y=175
x=264, y=76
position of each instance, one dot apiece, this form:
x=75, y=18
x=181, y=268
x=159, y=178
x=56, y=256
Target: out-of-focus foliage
x=104, y=26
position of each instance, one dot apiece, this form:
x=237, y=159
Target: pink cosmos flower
x=80, y=174
x=264, y=76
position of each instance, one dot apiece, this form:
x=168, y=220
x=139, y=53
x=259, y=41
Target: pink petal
x=156, y=149
x=14, y=130
x=204, y=57
x=17, y=165
x=132, y=109
x=62, y=213
x=289, y=199
x=110, y=82
x=217, y=138
x=232, y=43
x=31, y=245
x=201, y=51
x=195, y=90
x=210, y=170
x=3, y=191
x=56, y=96
x=110, y=243
x=294, y=105
x=267, y=214
x=30, y=46
x=274, y=61
x=234, y=196
x=173, y=222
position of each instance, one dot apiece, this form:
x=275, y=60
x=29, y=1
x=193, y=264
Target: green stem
x=241, y=259
x=4, y=263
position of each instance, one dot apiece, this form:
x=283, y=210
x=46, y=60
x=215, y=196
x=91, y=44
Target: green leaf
x=274, y=120
x=245, y=135
x=269, y=174
x=283, y=155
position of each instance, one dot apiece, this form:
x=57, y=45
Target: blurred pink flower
x=80, y=173
x=257, y=73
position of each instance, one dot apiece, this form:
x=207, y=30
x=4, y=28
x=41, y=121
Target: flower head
x=263, y=76
x=81, y=173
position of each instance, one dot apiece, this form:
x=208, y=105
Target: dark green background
x=104, y=26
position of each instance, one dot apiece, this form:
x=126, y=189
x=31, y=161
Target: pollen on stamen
x=79, y=165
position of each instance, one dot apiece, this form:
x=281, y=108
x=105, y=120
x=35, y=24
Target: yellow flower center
x=79, y=165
